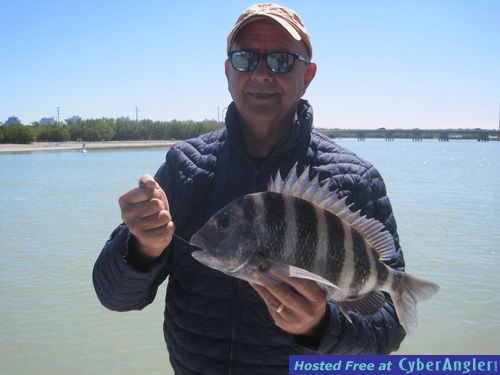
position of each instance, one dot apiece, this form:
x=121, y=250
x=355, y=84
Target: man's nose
x=262, y=73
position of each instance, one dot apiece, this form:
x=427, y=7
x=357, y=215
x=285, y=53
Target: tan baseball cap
x=285, y=17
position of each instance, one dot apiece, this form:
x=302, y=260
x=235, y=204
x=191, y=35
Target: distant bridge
x=417, y=135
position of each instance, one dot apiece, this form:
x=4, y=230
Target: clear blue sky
x=381, y=63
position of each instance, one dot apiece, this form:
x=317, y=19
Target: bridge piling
x=416, y=135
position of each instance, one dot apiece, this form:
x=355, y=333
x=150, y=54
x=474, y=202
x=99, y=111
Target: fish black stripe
x=382, y=273
x=397, y=281
x=275, y=220
x=361, y=262
x=336, y=251
x=307, y=233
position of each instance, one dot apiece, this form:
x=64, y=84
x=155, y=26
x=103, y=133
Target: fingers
x=148, y=182
x=282, y=314
x=149, y=223
x=143, y=201
x=276, y=294
x=270, y=300
x=307, y=288
x=145, y=210
x=296, y=305
x=293, y=292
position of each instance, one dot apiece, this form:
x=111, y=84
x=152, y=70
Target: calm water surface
x=58, y=208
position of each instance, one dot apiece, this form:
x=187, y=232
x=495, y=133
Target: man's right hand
x=146, y=212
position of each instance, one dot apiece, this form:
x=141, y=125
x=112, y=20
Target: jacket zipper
x=235, y=320
x=236, y=305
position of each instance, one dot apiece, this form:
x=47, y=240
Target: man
x=215, y=324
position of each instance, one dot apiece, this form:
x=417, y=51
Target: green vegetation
x=17, y=134
x=94, y=130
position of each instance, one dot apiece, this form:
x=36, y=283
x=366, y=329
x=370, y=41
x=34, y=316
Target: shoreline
x=68, y=146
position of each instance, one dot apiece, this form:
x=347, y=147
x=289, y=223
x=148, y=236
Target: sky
x=381, y=63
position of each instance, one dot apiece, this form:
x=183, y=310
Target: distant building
x=124, y=118
x=47, y=121
x=74, y=120
x=13, y=120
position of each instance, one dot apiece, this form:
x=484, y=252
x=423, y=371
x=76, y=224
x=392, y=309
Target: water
x=58, y=208
x=445, y=199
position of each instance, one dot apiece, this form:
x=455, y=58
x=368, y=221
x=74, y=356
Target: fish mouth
x=197, y=241
x=200, y=255
x=207, y=259
x=204, y=257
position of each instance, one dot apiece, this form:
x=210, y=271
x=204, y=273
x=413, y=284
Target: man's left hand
x=296, y=305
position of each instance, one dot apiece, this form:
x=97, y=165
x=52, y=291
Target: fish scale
x=299, y=228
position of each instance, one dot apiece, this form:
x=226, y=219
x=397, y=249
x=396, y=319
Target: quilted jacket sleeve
x=380, y=333
x=120, y=285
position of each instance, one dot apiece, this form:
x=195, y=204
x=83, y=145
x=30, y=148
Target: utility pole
x=221, y=114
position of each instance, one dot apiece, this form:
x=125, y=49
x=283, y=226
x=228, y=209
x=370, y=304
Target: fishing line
x=183, y=240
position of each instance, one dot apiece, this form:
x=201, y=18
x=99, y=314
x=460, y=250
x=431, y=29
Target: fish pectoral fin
x=300, y=273
x=367, y=304
x=270, y=276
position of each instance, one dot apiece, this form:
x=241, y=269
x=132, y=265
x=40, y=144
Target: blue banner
x=394, y=364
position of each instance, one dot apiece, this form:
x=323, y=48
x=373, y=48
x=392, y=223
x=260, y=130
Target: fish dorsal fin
x=301, y=186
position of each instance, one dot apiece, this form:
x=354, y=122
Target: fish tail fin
x=406, y=296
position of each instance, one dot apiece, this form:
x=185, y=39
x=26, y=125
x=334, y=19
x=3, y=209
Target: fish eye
x=223, y=222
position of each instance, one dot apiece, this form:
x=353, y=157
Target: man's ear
x=226, y=68
x=309, y=75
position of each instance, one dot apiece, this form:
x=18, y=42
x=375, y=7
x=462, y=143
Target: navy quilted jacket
x=215, y=324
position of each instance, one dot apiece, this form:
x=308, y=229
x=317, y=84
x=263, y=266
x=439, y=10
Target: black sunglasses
x=277, y=62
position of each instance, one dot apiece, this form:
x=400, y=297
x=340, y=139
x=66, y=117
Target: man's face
x=265, y=99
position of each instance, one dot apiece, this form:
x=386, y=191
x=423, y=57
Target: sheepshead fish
x=302, y=229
